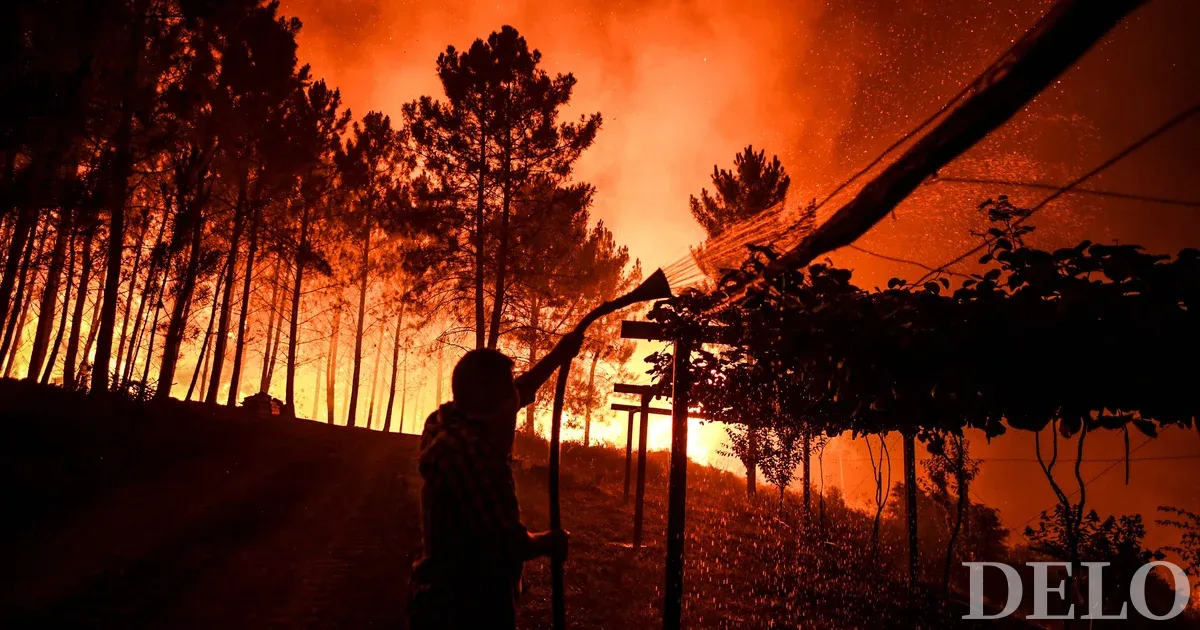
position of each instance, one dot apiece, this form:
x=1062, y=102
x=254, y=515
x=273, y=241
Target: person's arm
x=531, y=381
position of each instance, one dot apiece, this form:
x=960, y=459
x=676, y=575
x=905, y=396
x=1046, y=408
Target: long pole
x=628, y=457
x=558, y=602
x=677, y=490
x=910, y=504
x=1068, y=30
x=639, y=502
x=653, y=288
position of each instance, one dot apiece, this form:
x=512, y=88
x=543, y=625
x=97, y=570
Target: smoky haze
x=826, y=86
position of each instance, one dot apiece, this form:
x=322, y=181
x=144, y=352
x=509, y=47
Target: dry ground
x=182, y=516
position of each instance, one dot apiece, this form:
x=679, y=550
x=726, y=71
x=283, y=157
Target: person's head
x=484, y=388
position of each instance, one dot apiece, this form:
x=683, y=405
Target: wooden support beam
x=677, y=489
x=656, y=411
x=628, y=456
x=910, y=503
x=630, y=388
x=640, y=499
x=653, y=331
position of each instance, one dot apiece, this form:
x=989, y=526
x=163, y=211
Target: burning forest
x=706, y=315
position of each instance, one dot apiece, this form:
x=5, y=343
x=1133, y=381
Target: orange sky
x=683, y=85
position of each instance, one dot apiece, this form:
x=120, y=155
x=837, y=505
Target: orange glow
x=825, y=85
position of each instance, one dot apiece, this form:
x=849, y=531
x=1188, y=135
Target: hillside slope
x=178, y=515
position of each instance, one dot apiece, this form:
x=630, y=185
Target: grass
x=746, y=567
x=124, y=515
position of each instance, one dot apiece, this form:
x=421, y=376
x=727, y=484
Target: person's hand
x=553, y=543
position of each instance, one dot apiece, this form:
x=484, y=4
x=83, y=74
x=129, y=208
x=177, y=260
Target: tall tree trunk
x=331, y=370
x=821, y=494
x=882, y=490
x=440, y=378
x=181, y=308
x=960, y=477
x=387, y=418
x=502, y=253
x=46, y=308
x=158, y=307
x=52, y=360
x=274, y=330
x=19, y=333
x=133, y=280
x=153, y=292
x=316, y=408
x=345, y=399
x=481, y=186
x=404, y=391
x=149, y=288
x=294, y=321
x=119, y=194
x=358, y=331
x=222, y=340
x=535, y=314
x=202, y=359
x=85, y=277
x=910, y=493
x=806, y=461
x=93, y=327
x=587, y=414
x=375, y=378
x=235, y=379
x=24, y=229
x=752, y=467
x=265, y=364
x=201, y=371
x=24, y=294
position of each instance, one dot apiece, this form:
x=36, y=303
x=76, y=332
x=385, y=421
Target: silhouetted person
x=474, y=545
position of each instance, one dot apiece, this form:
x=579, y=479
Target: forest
x=189, y=213
x=194, y=226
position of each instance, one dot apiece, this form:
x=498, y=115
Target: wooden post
x=910, y=494
x=628, y=457
x=639, y=503
x=677, y=489
x=677, y=492
x=646, y=393
x=558, y=604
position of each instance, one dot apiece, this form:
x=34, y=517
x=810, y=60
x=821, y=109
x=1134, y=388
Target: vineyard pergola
x=1077, y=339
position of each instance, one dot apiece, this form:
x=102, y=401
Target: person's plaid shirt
x=471, y=527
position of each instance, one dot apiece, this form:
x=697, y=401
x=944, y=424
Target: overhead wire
x=1089, y=481
x=751, y=229
x=1120, y=155
x=937, y=179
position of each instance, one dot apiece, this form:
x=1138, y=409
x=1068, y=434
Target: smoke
x=684, y=85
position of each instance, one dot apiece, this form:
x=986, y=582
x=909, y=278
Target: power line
x=748, y=230
x=1101, y=460
x=901, y=260
x=1089, y=481
x=1167, y=126
x=967, y=89
x=1078, y=191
